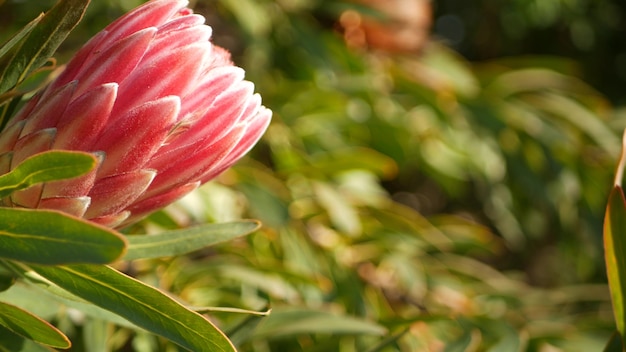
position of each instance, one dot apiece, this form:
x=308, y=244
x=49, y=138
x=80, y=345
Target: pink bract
x=164, y=108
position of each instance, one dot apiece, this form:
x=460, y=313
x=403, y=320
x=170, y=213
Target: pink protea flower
x=166, y=109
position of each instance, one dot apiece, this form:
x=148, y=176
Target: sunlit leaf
x=294, y=321
x=578, y=115
x=140, y=304
x=341, y=212
x=452, y=69
x=274, y=211
x=277, y=284
x=615, y=254
x=29, y=326
x=252, y=15
x=186, y=240
x=11, y=342
x=45, y=300
x=51, y=237
x=354, y=159
x=231, y=310
x=96, y=333
x=44, y=167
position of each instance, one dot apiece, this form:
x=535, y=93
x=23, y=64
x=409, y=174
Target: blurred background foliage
x=434, y=178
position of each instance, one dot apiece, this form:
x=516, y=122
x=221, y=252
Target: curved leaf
x=51, y=237
x=614, y=344
x=44, y=167
x=31, y=327
x=140, y=304
x=293, y=321
x=615, y=254
x=186, y=240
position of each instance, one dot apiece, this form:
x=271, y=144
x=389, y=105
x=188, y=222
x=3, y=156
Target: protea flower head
x=164, y=108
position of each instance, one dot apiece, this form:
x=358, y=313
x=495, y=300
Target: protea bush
x=164, y=109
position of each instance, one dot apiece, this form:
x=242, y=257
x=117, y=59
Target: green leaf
x=96, y=334
x=31, y=327
x=294, y=321
x=388, y=341
x=274, y=212
x=253, y=16
x=31, y=47
x=241, y=331
x=461, y=344
x=45, y=299
x=16, y=39
x=52, y=237
x=343, y=215
x=353, y=159
x=615, y=254
x=186, y=240
x=138, y=303
x=12, y=342
x=232, y=310
x=614, y=344
x=44, y=167
x=6, y=281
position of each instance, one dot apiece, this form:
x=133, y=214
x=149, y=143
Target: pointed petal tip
x=76, y=206
x=114, y=193
x=147, y=205
x=113, y=220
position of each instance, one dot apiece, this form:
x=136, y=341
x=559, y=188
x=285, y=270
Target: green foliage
x=43, y=167
x=615, y=254
x=172, y=243
x=32, y=46
x=139, y=303
x=294, y=322
x=31, y=327
x=409, y=202
x=50, y=237
x=615, y=344
x=30, y=237
x=35, y=44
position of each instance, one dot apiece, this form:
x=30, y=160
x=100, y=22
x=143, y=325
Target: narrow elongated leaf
x=615, y=254
x=31, y=327
x=232, y=310
x=140, y=304
x=10, y=341
x=31, y=50
x=186, y=240
x=388, y=341
x=290, y=321
x=242, y=331
x=614, y=344
x=44, y=167
x=51, y=237
x=351, y=159
x=45, y=299
x=18, y=37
